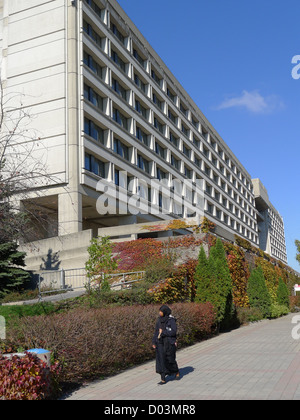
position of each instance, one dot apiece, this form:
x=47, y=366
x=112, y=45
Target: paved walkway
x=258, y=361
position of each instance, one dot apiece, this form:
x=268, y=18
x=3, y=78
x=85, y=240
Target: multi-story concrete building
x=111, y=113
x=270, y=224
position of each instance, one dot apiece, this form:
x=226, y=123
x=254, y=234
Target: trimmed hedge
x=97, y=342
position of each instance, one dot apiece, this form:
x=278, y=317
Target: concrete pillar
x=70, y=201
x=69, y=213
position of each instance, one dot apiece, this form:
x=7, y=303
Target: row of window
x=214, y=211
x=277, y=254
x=169, y=92
x=158, y=124
x=96, y=166
x=158, y=100
x=97, y=133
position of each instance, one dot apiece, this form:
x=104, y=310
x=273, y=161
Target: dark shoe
x=162, y=382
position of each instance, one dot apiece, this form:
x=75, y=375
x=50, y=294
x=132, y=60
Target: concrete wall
x=69, y=251
x=33, y=71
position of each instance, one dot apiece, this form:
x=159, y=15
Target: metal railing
x=61, y=281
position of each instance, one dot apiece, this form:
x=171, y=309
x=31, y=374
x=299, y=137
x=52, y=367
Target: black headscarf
x=166, y=311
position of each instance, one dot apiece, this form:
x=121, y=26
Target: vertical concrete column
x=69, y=213
x=70, y=200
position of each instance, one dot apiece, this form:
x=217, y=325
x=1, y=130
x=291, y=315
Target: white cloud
x=253, y=102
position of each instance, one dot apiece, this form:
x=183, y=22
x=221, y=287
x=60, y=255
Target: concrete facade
x=112, y=117
x=270, y=224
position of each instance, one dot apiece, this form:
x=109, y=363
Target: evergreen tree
x=223, y=284
x=297, y=243
x=214, y=283
x=258, y=293
x=201, y=272
x=282, y=293
x=12, y=275
x=204, y=279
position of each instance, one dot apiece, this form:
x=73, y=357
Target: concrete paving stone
x=258, y=361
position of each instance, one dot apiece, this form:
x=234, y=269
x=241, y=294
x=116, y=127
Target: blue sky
x=234, y=58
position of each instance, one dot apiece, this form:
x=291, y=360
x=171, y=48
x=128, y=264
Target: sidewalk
x=259, y=361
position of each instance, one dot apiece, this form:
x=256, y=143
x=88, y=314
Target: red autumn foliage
x=26, y=378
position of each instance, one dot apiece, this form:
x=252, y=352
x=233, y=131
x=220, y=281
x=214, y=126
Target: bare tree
x=22, y=169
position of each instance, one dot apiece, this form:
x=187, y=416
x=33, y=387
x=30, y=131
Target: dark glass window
x=121, y=149
x=92, y=130
x=94, y=165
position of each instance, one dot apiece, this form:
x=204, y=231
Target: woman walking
x=164, y=342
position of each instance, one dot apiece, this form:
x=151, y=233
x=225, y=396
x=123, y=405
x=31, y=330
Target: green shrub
x=282, y=294
x=278, y=310
x=138, y=295
x=246, y=315
x=258, y=293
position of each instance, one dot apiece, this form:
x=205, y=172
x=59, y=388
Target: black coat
x=165, y=346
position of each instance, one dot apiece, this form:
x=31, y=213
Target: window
x=117, y=33
x=119, y=89
x=185, y=130
x=92, y=64
x=138, y=57
x=117, y=177
x=206, y=152
x=140, y=109
x=118, y=61
x=92, y=130
x=155, y=77
x=120, y=118
x=158, y=125
x=140, y=84
x=94, y=165
x=188, y=172
x=143, y=164
x=186, y=151
x=183, y=109
x=88, y=29
x=160, y=150
x=142, y=136
x=174, y=140
x=160, y=174
x=121, y=149
x=198, y=162
x=157, y=101
x=175, y=162
x=93, y=97
x=196, y=142
x=207, y=170
x=210, y=208
x=208, y=189
x=94, y=6
x=195, y=123
x=172, y=116
x=171, y=95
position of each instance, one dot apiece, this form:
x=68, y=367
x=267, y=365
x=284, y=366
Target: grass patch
x=15, y=312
